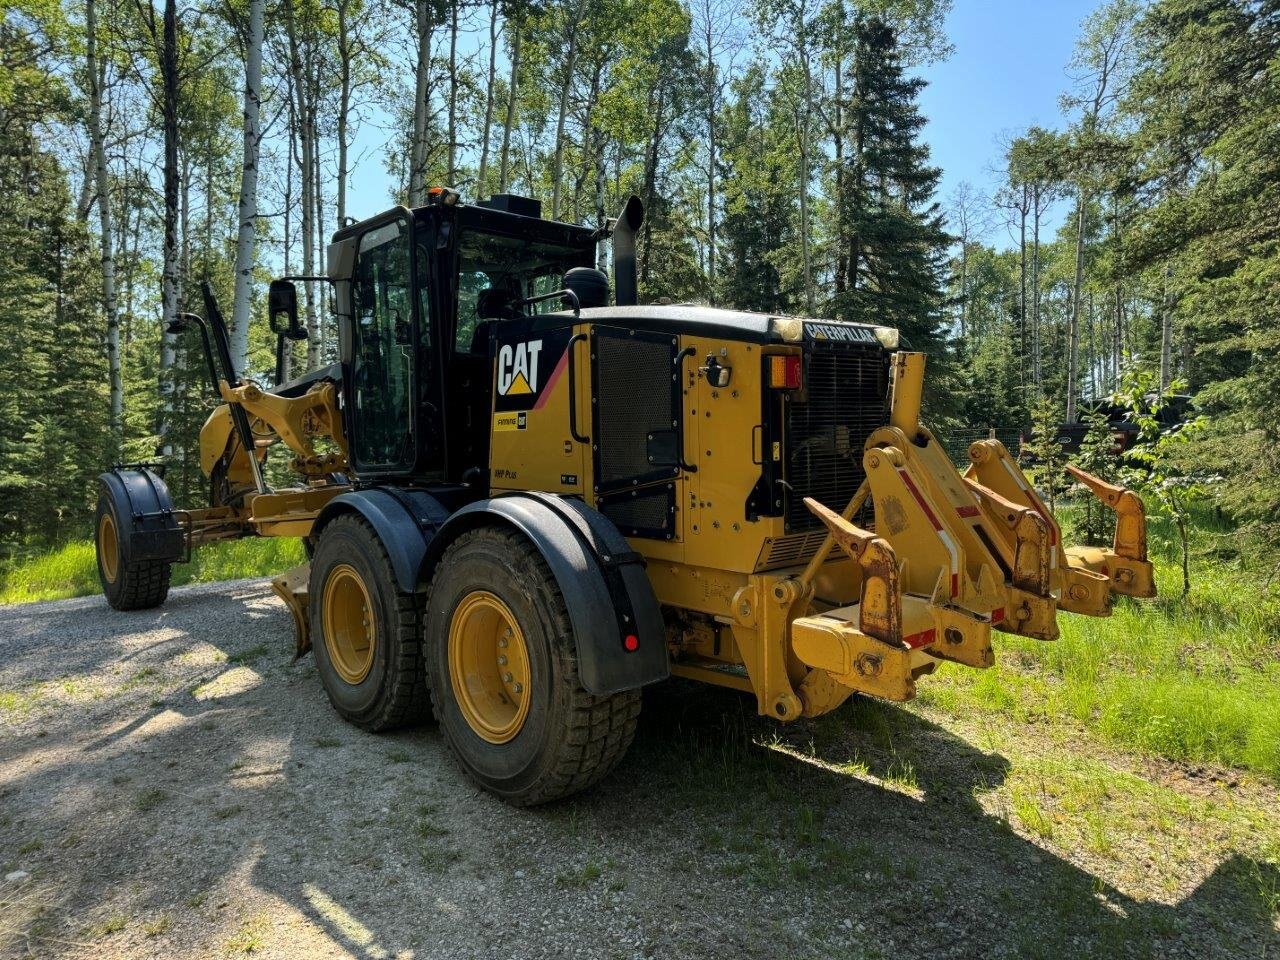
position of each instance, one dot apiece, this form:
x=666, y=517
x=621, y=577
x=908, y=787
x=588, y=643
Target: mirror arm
x=280, y=342
x=178, y=327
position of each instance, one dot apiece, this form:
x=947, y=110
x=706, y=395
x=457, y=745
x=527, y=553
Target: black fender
x=406, y=522
x=144, y=510
x=608, y=594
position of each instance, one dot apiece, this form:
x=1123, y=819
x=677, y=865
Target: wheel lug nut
x=502, y=661
x=507, y=677
x=518, y=687
x=502, y=641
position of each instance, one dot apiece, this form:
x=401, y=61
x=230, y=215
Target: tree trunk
x=421, y=107
x=172, y=186
x=595, y=143
x=1022, y=281
x=651, y=183
x=344, y=105
x=302, y=117
x=1035, y=288
x=315, y=343
x=602, y=216
x=286, y=370
x=512, y=92
x=96, y=78
x=712, y=89
x=452, y=176
x=1073, y=324
x=803, y=157
x=566, y=82
x=1166, y=333
x=483, y=178
x=841, y=279
x=248, y=205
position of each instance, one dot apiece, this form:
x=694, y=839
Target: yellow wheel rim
x=108, y=547
x=489, y=666
x=350, y=627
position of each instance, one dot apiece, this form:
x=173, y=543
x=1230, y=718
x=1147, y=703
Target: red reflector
x=968, y=511
x=997, y=615
x=921, y=639
x=793, y=373
x=631, y=642
x=785, y=372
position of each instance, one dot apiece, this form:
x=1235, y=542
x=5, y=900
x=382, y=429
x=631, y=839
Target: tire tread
x=599, y=729
x=407, y=701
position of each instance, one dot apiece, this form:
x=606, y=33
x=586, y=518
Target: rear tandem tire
x=495, y=617
x=366, y=630
x=127, y=584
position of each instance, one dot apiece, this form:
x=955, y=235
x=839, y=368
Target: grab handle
x=573, y=392
x=679, y=365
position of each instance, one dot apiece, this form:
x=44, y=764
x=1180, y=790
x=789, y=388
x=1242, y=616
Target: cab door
x=384, y=333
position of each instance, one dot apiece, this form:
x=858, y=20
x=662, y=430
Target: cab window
x=383, y=362
x=494, y=272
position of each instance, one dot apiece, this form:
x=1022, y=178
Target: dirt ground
x=172, y=785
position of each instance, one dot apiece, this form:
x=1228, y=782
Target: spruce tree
x=887, y=213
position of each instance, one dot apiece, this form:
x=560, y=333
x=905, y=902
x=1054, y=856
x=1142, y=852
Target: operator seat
x=493, y=305
x=470, y=386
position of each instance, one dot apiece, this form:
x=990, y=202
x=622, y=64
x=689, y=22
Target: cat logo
x=518, y=368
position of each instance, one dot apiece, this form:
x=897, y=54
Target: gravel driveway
x=171, y=785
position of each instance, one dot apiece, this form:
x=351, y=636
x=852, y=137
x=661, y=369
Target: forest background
x=1130, y=245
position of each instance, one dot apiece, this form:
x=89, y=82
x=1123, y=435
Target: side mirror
x=282, y=298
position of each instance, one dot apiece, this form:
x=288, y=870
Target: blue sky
x=1007, y=72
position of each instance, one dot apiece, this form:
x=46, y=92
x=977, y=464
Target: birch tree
x=248, y=203
x=1102, y=61
x=95, y=73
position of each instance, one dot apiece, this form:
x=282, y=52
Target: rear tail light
x=785, y=372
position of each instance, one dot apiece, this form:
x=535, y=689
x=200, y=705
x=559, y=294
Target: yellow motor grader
x=522, y=504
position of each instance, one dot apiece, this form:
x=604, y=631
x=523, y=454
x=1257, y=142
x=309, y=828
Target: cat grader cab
x=522, y=504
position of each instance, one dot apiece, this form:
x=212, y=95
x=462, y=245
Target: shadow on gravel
x=874, y=810
x=859, y=834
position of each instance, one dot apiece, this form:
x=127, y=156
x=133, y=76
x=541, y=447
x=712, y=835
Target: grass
x=150, y=799
x=251, y=936
x=72, y=571
x=1193, y=678
x=113, y=924
x=580, y=876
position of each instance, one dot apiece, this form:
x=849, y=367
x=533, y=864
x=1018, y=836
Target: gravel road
x=172, y=785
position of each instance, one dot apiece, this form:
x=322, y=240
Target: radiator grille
x=634, y=398
x=845, y=399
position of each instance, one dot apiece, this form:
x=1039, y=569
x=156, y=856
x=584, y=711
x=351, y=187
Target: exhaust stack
x=624, y=252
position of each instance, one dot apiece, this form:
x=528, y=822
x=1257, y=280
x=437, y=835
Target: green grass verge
x=1194, y=678
x=72, y=571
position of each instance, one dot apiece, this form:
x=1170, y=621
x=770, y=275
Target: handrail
x=573, y=390
x=562, y=294
x=678, y=363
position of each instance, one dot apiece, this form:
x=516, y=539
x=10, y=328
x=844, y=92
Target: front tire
x=367, y=638
x=127, y=584
x=504, y=675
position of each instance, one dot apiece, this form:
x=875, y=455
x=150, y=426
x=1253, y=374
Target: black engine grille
x=845, y=399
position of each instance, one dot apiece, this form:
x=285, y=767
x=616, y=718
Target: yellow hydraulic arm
x=953, y=556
